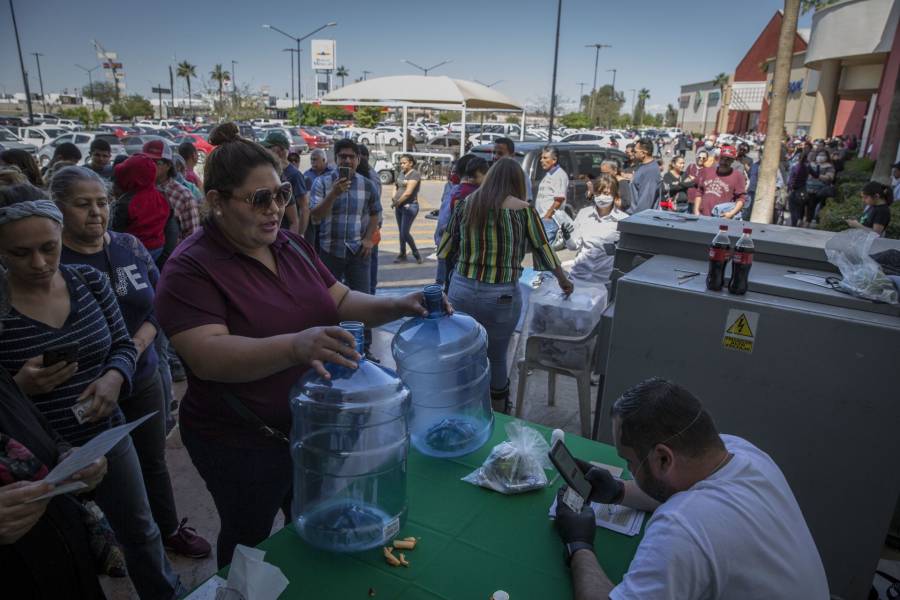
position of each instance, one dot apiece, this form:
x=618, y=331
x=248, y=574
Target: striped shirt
x=96, y=324
x=494, y=254
x=342, y=231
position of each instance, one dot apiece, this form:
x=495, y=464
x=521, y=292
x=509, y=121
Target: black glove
x=575, y=529
x=567, y=229
x=605, y=488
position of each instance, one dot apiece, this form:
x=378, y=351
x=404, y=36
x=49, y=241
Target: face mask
x=708, y=144
x=821, y=159
x=603, y=200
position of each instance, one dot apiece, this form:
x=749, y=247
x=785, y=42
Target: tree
x=342, y=72
x=220, y=76
x=102, y=91
x=607, y=105
x=449, y=116
x=764, y=201
x=91, y=119
x=642, y=96
x=720, y=81
x=315, y=114
x=132, y=106
x=367, y=116
x=671, y=116
x=187, y=70
x=576, y=120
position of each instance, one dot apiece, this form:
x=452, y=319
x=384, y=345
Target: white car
x=484, y=138
x=40, y=135
x=392, y=136
x=605, y=140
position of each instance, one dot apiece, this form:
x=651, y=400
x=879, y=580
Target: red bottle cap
x=747, y=230
x=723, y=227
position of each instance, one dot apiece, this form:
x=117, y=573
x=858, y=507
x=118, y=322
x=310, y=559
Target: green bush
x=834, y=215
x=849, y=190
x=864, y=165
x=853, y=176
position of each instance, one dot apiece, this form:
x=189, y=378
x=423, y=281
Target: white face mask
x=821, y=159
x=708, y=143
x=603, y=200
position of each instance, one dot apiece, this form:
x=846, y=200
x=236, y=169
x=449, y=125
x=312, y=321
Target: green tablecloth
x=473, y=541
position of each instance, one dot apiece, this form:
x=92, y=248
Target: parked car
x=39, y=135
x=391, y=136
x=577, y=160
x=11, y=121
x=83, y=140
x=135, y=143
x=200, y=143
x=608, y=140
x=446, y=144
x=484, y=138
x=313, y=137
x=11, y=141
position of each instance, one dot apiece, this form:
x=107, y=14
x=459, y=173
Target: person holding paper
x=73, y=309
x=725, y=522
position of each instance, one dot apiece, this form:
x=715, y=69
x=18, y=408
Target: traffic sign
x=159, y=90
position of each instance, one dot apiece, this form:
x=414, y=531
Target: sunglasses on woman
x=262, y=198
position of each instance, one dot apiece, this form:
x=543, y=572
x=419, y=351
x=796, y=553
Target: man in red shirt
x=722, y=189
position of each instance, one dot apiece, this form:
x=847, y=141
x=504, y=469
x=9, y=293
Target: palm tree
x=764, y=201
x=342, y=72
x=220, y=76
x=720, y=81
x=642, y=96
x=187, y=70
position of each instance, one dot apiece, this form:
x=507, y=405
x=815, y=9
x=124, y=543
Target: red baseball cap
x=158, y=149
x=727, y=152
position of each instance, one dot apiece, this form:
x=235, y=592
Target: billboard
x=323, y=55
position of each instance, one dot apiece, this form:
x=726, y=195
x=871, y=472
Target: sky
x=657, y=44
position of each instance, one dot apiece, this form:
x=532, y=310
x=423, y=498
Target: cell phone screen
x=63, y=353
x=564, y=462
x=344, y=172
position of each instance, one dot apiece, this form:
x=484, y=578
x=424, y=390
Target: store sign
x=323, y=55
x=795, y=87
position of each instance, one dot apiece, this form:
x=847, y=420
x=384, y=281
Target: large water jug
x=349, y=444
x=443, y=360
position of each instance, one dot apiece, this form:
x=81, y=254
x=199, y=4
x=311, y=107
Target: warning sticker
x=740, y=330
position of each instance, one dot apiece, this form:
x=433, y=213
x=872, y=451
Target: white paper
x=620, y=519
x=82, y=457
x=254, y=578
x=72, y=486
x=207, y=591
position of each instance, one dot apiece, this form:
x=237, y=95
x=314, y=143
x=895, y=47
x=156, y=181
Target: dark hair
x=462, y=162
x=187, y=150
x=505, y=178
x=22, y=192
x=645, y=144
x=408, y=157
x=629, y=145
x=293, y=156
x=232, y=159
x=364, y=168
x=345, y=143
x=657, y=411
x=100, y=145
x=510, y=145
x=66, y=151
x=552, y=151
x=875, y=188
x=476, y=165
x=26, y=164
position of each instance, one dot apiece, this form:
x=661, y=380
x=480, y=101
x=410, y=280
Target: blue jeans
x=123, y=498
x=352, y=270
x=550, y=228
x=496, y=306
x=373, y=269
x=719, y=210
x=248, y=486
x=405, y=216
x=165, y=372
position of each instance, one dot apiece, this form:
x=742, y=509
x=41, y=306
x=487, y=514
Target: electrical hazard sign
x=741, y=330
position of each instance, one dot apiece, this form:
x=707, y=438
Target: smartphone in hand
x=61, y=353
x=344, y=172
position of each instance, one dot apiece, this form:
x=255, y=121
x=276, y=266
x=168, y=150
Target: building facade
x=801, y=96
x=698, y=107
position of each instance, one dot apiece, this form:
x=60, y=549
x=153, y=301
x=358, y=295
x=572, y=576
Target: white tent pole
x=522, y=132
x=462, y=142
x=405, y=125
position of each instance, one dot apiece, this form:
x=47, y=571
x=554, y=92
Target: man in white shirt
x=551, y=195
x=725, y=523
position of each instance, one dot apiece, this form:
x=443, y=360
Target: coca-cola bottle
x=741, y=261
x=718, y=259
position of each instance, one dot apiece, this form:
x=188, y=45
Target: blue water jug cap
x=358, y=330
x=434, y=300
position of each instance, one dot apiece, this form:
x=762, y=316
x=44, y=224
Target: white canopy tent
x=418, y=91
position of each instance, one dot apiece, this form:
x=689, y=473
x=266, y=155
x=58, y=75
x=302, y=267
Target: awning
x=418, y=91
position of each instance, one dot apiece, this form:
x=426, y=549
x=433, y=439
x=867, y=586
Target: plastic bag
x=516, y=465
x=862, y=276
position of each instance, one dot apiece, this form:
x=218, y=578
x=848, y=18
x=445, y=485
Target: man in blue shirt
x=646, y=179
x=346, y=207
x=296, y=213
x=319, y=161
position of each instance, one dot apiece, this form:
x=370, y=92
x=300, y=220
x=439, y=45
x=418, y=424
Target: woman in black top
x=676, y=183
x=877, y=215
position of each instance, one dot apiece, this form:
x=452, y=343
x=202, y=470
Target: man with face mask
x=725, y=522
x=722, y=189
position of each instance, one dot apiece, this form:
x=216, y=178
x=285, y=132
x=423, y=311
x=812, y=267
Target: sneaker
x=400, y=258
x=186, y=542
x=419, y=259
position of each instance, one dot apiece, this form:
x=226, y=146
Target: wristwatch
x=571, y=548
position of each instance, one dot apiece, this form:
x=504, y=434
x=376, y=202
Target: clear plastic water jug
x=443, y=360
x=349, y=444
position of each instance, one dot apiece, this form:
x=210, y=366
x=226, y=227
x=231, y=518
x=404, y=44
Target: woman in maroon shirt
x=250, y=307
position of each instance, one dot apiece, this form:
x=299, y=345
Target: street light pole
x=365, y=75
x=580, y=85
x=424, y=69
x=555, y=63
x=37, y=57
x=292, y=51
x=233, y=81
x=22, y=64
x=299, y=72
x=90, y=84
x=596, y=64
x=632, y=103
x=613, y=95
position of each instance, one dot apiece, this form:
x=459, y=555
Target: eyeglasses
x=262, y=198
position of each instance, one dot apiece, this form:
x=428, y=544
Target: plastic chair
x=534, y=359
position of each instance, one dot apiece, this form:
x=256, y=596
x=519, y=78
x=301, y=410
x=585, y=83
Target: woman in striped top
x=53, y=305
x=490, y=231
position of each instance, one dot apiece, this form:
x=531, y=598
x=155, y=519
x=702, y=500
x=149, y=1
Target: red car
x=313, y=138
x=198, y=141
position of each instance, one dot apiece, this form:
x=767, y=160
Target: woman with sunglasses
x=250, y=308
